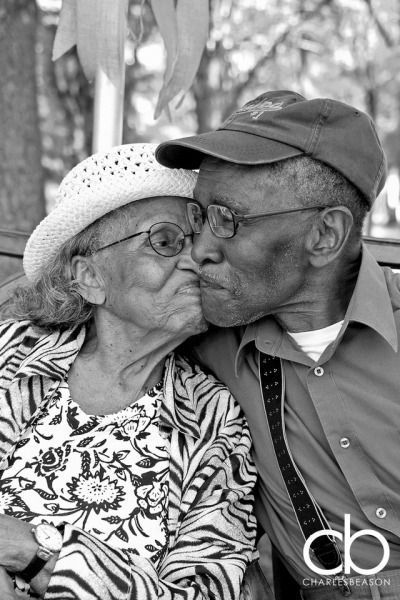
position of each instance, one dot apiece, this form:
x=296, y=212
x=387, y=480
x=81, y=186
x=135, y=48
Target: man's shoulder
x=215, y=349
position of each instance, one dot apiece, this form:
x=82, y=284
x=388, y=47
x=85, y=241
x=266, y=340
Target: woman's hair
x=53, y=301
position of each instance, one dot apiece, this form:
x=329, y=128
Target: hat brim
x=232, y=146
x=96, y=186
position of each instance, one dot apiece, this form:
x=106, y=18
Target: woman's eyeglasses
x=224, y=221
x=166, y=239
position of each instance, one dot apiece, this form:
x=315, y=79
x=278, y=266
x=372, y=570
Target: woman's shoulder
x=14, y=332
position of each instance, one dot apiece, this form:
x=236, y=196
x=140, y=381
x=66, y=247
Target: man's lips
x=207, y=281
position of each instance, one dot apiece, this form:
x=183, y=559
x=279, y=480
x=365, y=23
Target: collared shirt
x=211, y=528
x=342, y=417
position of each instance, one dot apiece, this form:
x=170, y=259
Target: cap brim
x=233, y=146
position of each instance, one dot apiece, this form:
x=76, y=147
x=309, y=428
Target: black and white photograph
x=199, y=299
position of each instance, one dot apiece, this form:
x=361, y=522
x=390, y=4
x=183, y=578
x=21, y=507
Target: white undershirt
x=313, y=343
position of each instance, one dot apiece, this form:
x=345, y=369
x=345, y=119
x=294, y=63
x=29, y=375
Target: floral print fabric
x=211, y=526
x=105, y=474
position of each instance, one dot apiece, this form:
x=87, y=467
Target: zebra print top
x=210, y=513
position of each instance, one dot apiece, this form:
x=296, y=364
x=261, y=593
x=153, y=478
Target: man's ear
x=90, y=283
x=329, y=234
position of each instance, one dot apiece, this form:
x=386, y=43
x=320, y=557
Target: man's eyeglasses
x=224, y=221
x=166, y=239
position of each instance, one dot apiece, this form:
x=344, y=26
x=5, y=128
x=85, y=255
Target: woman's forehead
x=161, y=208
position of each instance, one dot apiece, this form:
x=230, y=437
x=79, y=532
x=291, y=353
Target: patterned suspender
x=308, y=514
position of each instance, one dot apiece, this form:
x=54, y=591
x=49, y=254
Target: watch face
x=48, y=537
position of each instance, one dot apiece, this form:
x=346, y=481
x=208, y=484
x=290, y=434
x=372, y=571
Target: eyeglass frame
x=237, y=218
x=129, y=237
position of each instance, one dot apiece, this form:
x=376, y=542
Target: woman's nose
x=185, y=260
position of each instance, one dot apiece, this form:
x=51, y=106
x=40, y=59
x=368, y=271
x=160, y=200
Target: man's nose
x=206, y=246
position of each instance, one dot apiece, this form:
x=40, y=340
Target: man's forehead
x=211, y=164
x=237, y=186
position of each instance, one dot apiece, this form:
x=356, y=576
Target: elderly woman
x=125, y=470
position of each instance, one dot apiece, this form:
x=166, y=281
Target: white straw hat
x=96, y=186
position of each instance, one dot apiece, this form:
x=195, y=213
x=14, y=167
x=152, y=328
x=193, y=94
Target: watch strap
x=38, y=561
x=34, y=567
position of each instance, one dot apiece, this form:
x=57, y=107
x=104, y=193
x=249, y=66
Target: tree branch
x=384, y=33
x=253, y=72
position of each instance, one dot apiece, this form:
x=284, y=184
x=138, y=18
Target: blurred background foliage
x=347, y=49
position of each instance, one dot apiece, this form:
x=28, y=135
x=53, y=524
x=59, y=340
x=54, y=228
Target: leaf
x=150, y=548
x=147, y=462
x=19, y=514
x=53, y=507
x=192, y=24
x=89, y=426
x=165, y=16
x=57, y=419
x=85, y=463
x=22, y=443
x=142, y=435
x=26, y=484
x=100, y=35
x=85, y=442
x=66, y=30
x=120, y=436
x=20, y=503
x=112, y=520
x=71, y=417
x=120, y=533
x=122, y=454
x=99, y=443
x=46, y=495
x=135, y=480
x=121, y=474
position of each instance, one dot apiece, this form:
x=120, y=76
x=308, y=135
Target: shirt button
x=380, y=513
x=345, y=442
x=318, y=371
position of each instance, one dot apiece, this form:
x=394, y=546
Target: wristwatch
x=49, y=539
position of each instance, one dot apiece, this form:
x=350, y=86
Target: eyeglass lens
x=167, y=239
x=220, y=219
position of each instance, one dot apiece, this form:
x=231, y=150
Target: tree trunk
x=21, y=183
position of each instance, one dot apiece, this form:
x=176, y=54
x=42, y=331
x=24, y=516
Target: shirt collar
x=52, y=354
x=370, y=305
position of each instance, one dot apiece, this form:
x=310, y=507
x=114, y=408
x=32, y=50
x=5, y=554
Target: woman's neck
x=117, y=364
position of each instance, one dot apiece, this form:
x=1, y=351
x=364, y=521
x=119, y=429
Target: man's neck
x=324, y=302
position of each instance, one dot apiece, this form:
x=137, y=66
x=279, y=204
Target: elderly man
x=283, y=190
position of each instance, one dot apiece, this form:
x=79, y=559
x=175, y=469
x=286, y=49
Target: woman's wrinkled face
x=143, y=288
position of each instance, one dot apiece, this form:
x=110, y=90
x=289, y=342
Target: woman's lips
x=190, y=288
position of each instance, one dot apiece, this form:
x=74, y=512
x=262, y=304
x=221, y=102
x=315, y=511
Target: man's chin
x=219, y=314
x=225, y=314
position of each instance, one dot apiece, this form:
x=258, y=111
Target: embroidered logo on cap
x=255, y=108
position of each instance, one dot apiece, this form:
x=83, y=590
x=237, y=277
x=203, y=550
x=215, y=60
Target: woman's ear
x=329, y=235
x=90, y=283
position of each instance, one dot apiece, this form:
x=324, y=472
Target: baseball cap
x=282, y=124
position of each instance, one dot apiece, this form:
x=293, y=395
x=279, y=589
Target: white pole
x=108, y=109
